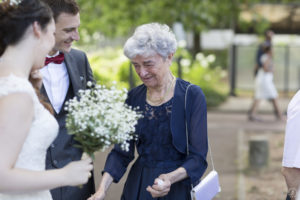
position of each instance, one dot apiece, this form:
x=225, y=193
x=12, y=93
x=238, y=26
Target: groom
x=66, y=71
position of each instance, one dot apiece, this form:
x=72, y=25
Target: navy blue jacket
x=196, y=115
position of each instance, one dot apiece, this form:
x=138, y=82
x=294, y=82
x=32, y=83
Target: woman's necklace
x=161, y=100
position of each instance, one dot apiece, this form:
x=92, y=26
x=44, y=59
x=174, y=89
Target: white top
x=291, y=154
x=264, y=58
x=56, y=83
x=43, y=131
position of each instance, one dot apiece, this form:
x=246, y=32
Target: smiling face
x=66, y=32
x=152, y=69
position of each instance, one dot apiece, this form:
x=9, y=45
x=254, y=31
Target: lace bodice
x=155, y=139
x=43, y=131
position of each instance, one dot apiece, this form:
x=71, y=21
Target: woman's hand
x=99, y=195
x=292, y=179
x=105, y=182
x=78, y=172
x=161, y=186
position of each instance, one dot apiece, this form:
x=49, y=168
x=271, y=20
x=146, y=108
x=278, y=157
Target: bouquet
x=100, y=117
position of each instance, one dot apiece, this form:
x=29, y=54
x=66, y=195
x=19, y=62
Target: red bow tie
x=57, y=59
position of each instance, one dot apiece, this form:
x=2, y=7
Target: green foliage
x=221, y=58
x=114, y=18
x=119, y=18
x=203, y=72
x=110, y=65
x=259, y=24
x=213, y=97
x=124, y=74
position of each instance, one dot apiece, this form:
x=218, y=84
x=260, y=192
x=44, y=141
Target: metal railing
x=286, y=68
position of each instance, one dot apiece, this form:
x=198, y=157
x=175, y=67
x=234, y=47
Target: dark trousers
x=288, y=197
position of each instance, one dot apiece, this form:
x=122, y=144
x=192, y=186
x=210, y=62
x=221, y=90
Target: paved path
x=224, y=124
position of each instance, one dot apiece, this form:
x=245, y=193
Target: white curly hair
x=149, y=39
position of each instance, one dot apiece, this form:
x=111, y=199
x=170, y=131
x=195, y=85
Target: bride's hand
x=78, y=172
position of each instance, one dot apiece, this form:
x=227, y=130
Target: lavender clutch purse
x=207, y=188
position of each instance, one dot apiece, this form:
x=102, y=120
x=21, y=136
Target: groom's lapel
x=76, y=78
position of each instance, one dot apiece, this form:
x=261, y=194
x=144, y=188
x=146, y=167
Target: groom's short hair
x=62, y=6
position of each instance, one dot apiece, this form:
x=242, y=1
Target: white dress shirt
x=291, y=154
x=56, y=83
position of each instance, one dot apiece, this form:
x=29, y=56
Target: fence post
x=286, y=71
x=233, y=56
x=258, y=152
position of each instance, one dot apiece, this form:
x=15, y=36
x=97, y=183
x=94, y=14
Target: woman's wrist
x=167, y=177
x=177, y=175
x=105, y=182
x=62, y=177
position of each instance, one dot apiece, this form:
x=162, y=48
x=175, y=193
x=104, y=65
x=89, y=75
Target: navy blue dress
x=157, y=155
x=161, y=143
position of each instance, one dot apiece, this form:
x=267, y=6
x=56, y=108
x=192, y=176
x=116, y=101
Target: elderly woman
x=163, y=168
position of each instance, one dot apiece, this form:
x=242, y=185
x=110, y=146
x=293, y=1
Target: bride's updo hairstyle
x=17, y=15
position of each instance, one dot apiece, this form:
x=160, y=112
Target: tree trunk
x=197, y=43
x=179, y=70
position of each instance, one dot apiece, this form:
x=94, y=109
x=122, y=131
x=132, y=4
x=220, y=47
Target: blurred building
x=283, y=18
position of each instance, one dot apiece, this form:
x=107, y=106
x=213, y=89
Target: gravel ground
x=267, y=183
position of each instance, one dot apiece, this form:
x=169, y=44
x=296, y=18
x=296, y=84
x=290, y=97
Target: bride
x=26, y=127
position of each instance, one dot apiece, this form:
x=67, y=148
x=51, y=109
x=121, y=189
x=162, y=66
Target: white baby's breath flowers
x=14, y=2
x=101, y=118
x=89, y=84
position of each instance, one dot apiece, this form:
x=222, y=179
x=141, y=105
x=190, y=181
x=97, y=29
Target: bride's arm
x=16, y=115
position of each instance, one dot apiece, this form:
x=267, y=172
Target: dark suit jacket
x=61, y=152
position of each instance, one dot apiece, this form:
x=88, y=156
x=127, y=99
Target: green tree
x=118, y=18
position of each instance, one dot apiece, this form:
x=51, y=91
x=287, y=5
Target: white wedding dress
x=43, y=131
